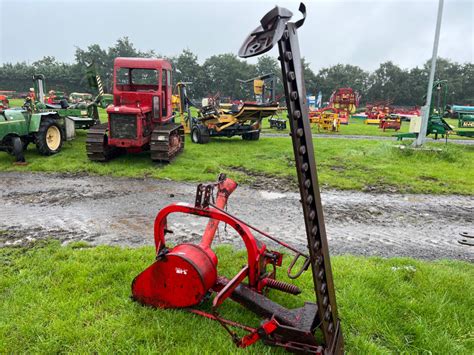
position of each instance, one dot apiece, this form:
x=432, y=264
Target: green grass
x=76, y=299
x=343, y=164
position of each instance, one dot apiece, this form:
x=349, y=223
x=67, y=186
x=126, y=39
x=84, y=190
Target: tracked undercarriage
x=165, y=144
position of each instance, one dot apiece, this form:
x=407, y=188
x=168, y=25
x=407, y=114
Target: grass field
x=355, y=127
x=76, y=299
x=343, y=164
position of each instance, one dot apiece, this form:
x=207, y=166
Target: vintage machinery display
x=186, y=275
x=465, y=116
x=328, y=120
x=141, y=116
x=84, y=115
x=4, y=102
x=346, y=101
x=76, y=97
x=261, y=85
x=20, y=127
x=343, y=102
x=214, y=120
x=376, y=111
x=437, y=125
x=391, y=121
x=244, y=121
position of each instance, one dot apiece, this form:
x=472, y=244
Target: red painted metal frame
x=254, y=251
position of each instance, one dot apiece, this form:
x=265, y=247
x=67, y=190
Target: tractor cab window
x=136, y=79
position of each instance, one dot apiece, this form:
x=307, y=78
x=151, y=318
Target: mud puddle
x=120, y=211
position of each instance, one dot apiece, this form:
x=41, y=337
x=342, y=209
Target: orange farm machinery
x=186, y=276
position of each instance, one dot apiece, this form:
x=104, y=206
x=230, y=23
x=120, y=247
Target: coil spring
x=283, y=286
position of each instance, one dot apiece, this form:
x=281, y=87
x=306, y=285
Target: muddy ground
x=121, y=211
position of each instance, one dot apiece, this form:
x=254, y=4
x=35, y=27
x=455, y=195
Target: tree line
x=219, y=74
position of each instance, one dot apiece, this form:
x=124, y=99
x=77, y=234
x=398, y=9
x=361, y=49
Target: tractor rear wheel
x=50, y=137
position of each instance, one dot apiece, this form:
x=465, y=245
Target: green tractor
x=20, y=127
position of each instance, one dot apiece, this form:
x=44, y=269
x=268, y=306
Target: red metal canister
x=180, y=279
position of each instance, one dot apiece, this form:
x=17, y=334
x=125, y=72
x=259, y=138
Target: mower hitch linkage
x=186, y=275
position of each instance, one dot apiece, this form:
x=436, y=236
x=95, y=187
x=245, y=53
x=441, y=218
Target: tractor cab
x=143, y=84
x=141, y=117
x=142, y=100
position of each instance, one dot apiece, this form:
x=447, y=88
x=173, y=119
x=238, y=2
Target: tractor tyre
x=200, y=135
x=17, y=149
x=25, y=143
x=195, y=135
x=50, y=137
x=252, y=136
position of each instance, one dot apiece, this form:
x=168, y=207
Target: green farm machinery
x=20, y=127
x=84, y=115
x=437, y=125
x=465, y=116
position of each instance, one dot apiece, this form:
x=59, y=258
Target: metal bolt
x=312, y=214
x=317, y=245
x=321, y=274
x=288, y=56
x=327, y=315
x=307, y=183
x=299, y=132
x=302, y=150
x=309, y=199
x=330, y=327
x=304, y=167
x=291, y=75
x=314, y=231
x=294, y=96
x=323, y=287
x=325, y=301
x=319, y=260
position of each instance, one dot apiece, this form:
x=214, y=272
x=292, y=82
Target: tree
x=186, y=68
x=339, y=76
x=222, y=72
x=387, y=83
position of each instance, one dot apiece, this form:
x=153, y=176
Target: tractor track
x=121, y=211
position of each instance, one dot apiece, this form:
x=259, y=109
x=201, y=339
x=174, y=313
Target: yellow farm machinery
x=243, y=120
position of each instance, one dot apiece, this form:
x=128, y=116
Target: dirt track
x=117, y=211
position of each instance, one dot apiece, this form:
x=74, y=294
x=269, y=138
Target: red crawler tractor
x=187, y=276
x=141, y=117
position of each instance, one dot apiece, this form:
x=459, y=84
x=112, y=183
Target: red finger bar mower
x=184, y=277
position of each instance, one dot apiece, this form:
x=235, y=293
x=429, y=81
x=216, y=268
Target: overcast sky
x=363, y=33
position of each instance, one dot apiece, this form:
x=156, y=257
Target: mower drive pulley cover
x=181, y=278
